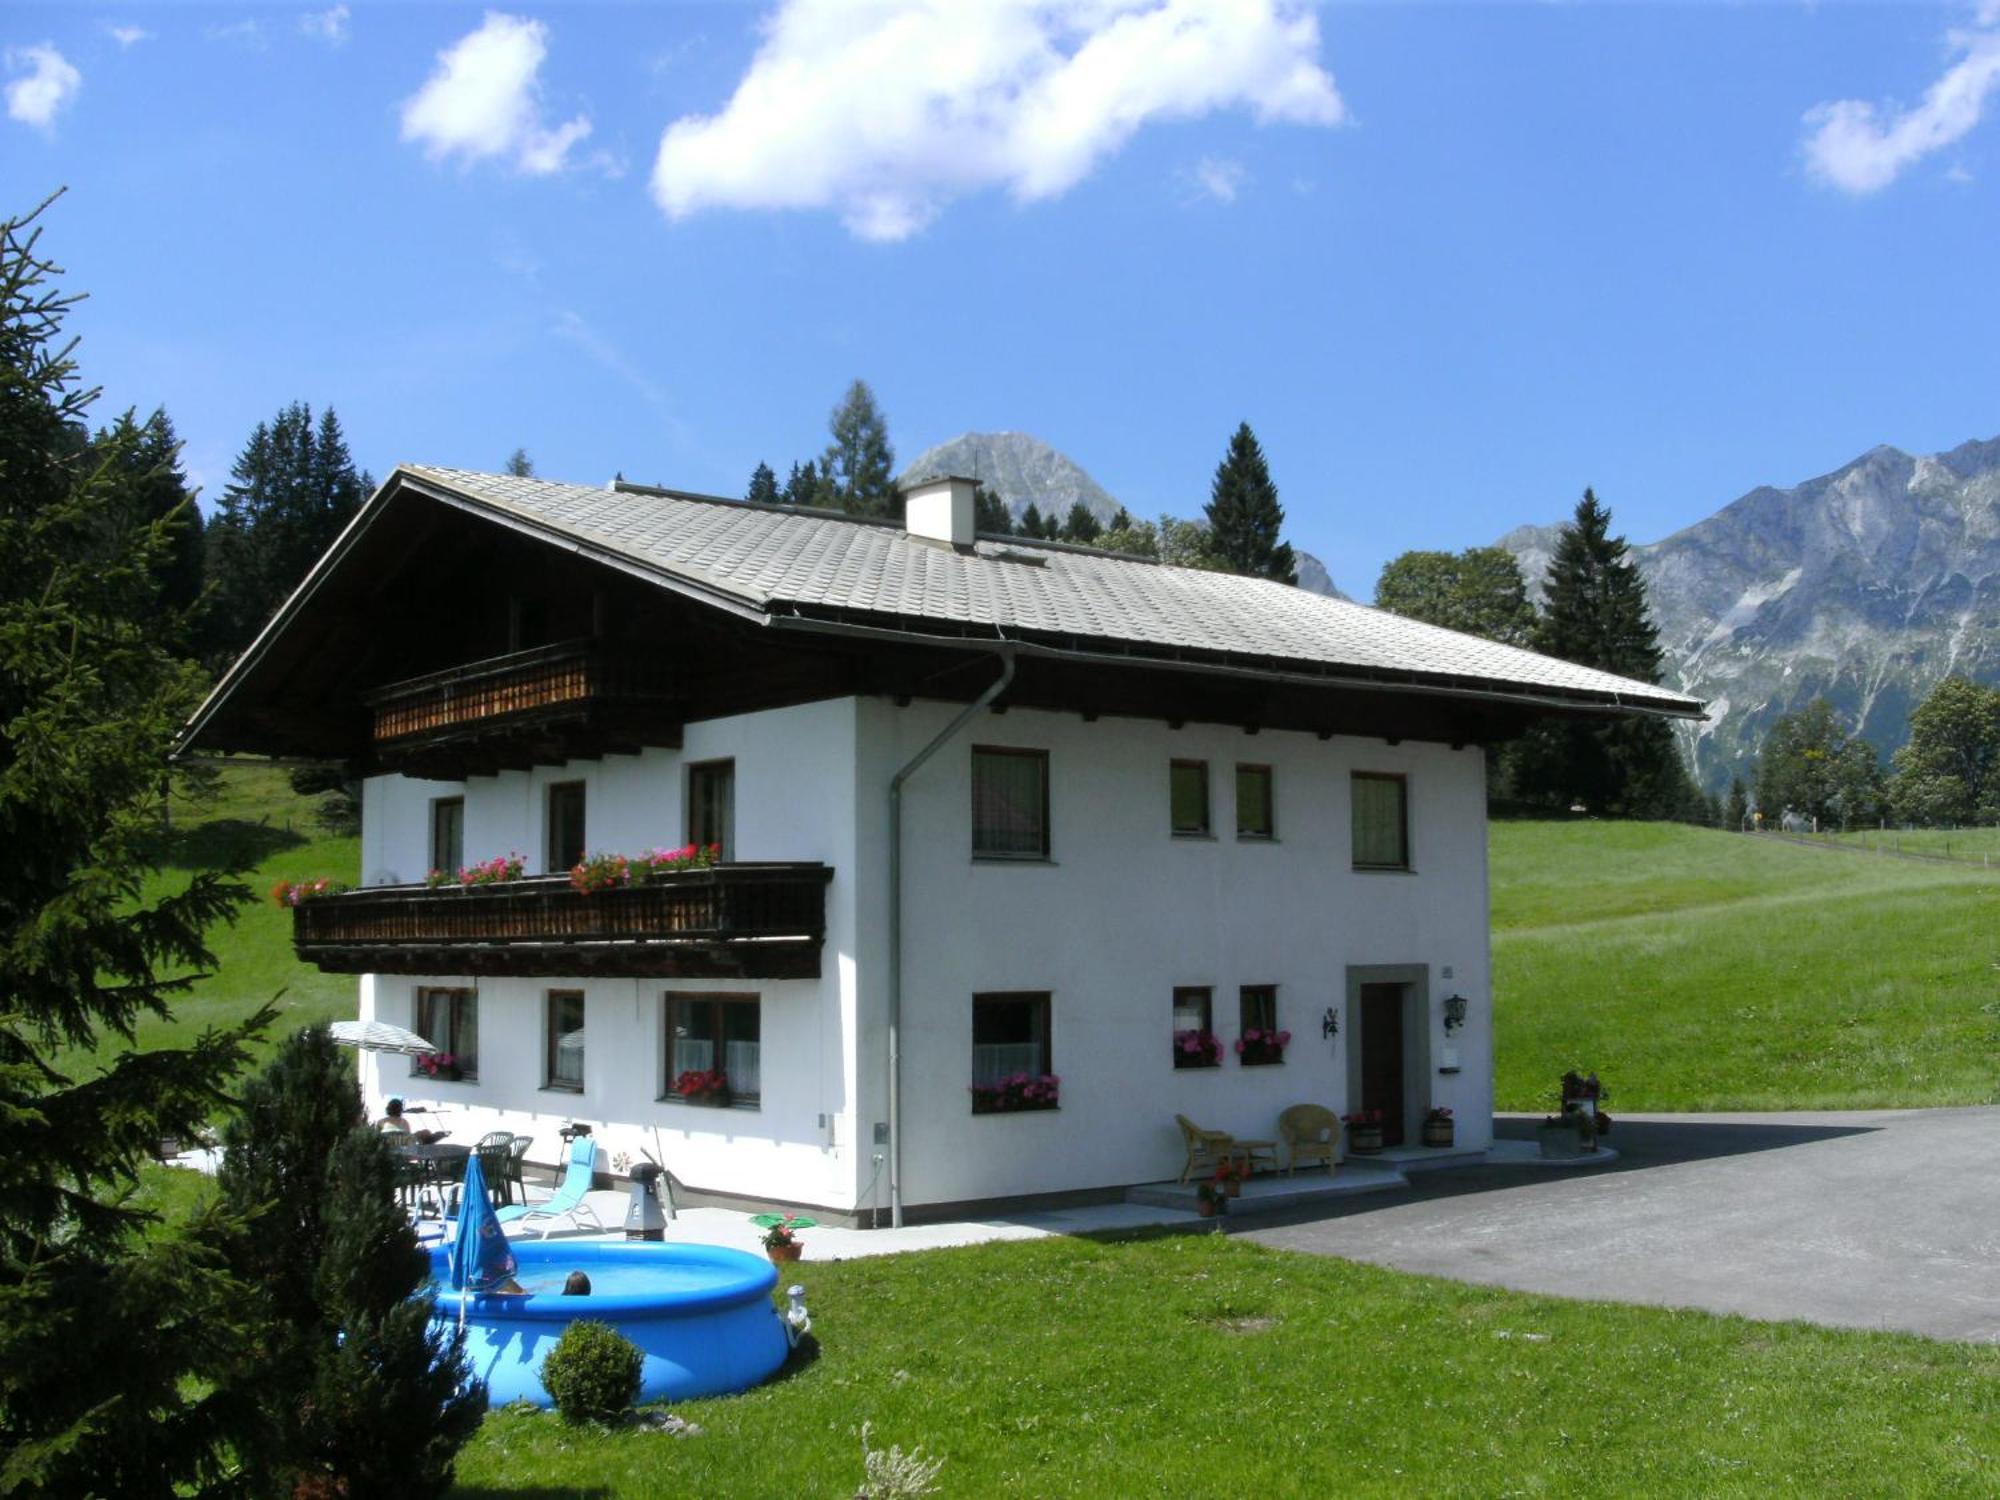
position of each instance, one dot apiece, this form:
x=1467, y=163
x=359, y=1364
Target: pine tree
x=803, y=486
x=990, y=513
x=291, y=490
x=859, y=461
x=1737, y=812
x=368, y=1394
x=115, y=1330
x=1081, y=525
x=1032, y=525
x=763, y=488
x=519, y=465
x=1244, y=517
x=1594, y=614
x=149, y=456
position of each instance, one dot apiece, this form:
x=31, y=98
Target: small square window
x=708, y=1034
x=1195, y=1044
x=1012, y=1060
x=449, y=1021
x=566, y=824
x=1010, y=803
x=1255, y=818
x=1190, y=796
x=563, y=1053
x=1381, y=821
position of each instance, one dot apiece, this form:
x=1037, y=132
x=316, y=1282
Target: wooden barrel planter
x=1364, y=1140
x=1439, y=1133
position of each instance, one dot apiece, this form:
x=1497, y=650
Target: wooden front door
x=1382, y=1056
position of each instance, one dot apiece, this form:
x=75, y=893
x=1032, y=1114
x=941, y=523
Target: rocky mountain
x=1023, y=469
x=1866, y=585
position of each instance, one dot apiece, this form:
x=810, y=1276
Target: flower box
x=1016, y=1094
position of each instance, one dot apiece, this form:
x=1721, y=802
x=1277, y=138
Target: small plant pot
x=1439, y=1133
x=785, y=1255
x=1560, y=1142
x=1211, y=1208
x=1364, y=1140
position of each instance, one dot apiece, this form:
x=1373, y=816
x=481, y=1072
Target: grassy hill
x=1698, y=970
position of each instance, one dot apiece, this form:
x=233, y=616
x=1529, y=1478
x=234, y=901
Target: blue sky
x=1452, y=263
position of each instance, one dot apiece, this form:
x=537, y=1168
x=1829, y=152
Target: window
x=1010, y=803
x=1381, y=821
x=1190, y=796
x=1257, y=1042
x=1195, y=1045
x=448, y=834
x=565, y=825
x=1010, y=1043
x=449, y=1021
x=711, y=812
x=1254, y=816
x=562, y=1054
x=709, y=1032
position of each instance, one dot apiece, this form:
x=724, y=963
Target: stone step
x=1271, y=1194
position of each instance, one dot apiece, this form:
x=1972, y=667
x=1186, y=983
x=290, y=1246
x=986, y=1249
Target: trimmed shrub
x=592, y=1374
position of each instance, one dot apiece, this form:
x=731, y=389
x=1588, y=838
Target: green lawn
x=1199, y=1365
x=1699, y=970
x=1979, y=846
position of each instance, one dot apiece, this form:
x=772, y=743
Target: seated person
x=392, y=1121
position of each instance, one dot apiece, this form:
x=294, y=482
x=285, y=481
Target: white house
x=985, y=808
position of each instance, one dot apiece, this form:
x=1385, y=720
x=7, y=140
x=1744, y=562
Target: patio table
x=441, y=1165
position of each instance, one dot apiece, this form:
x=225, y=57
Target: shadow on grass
x=224, y=844
x=532, y=1492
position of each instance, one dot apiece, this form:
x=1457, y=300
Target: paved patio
x=1863, y=1219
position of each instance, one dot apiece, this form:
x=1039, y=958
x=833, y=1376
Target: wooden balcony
x=737, y=921
x=543, y=706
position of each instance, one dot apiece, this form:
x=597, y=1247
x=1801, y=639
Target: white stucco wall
x=1122, y=914
x=1125, y=912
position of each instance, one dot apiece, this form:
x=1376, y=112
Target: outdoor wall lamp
x=1454, y=1014
x=1329, y=1024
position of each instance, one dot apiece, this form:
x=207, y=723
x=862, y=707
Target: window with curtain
x=448, y=834
x=563, y=1051
x=1194, y=1028
x=449, y=1021
x=1381, y=821
x=1257, y=1044
x=712, y=805
x=1010, y=803
x=706, y=1032
x=565, y=826
x=1010, y=1035
x=1190, y=796
x=1254, y=814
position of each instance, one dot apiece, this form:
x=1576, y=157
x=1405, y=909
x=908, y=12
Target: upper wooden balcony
x=735, y=921
x=543, y=706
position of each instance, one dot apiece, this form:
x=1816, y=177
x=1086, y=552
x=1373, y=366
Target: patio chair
x=517, y=1151
x=1209, y=1149
x=493, y=1148
x=1311, y=1132
x=568, y=1200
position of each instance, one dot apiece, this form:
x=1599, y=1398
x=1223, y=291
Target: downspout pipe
x=1005, y=652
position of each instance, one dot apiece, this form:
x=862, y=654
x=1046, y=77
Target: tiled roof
x=782, y=561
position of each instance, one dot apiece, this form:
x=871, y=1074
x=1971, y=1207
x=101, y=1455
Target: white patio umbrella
x=379, y=1036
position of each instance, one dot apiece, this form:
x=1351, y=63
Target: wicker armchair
x=1310, y=1132
x=1209, y=1149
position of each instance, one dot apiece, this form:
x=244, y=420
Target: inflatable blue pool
x=701, y=1315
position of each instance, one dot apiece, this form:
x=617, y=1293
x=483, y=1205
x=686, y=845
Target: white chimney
x=941, y=510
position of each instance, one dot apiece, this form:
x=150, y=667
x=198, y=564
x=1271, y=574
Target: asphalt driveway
x=1864, y=1219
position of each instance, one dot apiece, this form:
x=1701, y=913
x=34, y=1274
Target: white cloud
x=50, y=82
x=329, y=26
x=1859, y=148
x=128, y=36
x=886, y=110
x=248, y=32
x=1216, y=177
x=482, y=102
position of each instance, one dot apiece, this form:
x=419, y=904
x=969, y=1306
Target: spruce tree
x=519, y=465
x=1032, y=524
x=1081, y=525
x=1244, y=517
x=1737, y=811
x=1594, y=614
x=368, y=1396
x=858, y=461
x=116, y=1331
x=763, y=488
x=990, y=513
x=150, y=455
x=803, y=486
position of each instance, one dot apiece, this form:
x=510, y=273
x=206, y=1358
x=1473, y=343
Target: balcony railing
x=750, y=921
x=576, y=697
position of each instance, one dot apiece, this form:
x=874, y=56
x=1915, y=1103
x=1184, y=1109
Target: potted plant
x=1438, y=1129
x=1197, y=1049
x=1257, y=1048
x=1021, y=1091
x=600, y=872
x=1229, y=1175
x=1364, y=1131
x=781, y=1236
x=443, y=1065
x=1209, y=1200
x=1569, y=1134
x=707, y=1086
